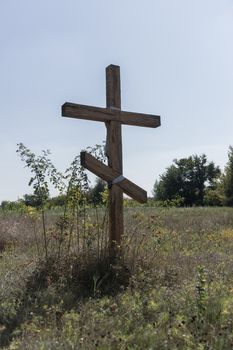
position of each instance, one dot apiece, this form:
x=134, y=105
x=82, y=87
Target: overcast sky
x=176, y=60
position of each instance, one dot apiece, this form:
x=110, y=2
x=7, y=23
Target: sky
x=176, y=60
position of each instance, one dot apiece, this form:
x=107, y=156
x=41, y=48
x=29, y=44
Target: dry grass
x=172, y=289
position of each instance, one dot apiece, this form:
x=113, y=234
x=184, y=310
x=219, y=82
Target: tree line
x=196, y=181
x=191, y=181
x=95, y=195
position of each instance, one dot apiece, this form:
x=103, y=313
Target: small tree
x=33, y=200
x=228, y=178
x=73, y=188
x=169, y=185
x=96, y=192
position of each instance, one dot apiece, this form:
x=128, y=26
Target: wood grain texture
x=114, y=154
x=78, y=111
x=113, y=86
x=109, y=174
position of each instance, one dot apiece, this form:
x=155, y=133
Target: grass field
x=172, y=288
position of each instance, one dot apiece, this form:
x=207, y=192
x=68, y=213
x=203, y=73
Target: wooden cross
x=113, y=117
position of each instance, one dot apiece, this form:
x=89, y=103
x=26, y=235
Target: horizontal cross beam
x=73, y=110
x=109, y=174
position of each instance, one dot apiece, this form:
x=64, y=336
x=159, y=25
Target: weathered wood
x=114, y=154
x=113, y=86
x=78, y=111
x=113, y=117
x=108, y=174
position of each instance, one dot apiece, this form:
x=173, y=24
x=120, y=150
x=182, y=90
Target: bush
x=214, y=198
x=18, y=205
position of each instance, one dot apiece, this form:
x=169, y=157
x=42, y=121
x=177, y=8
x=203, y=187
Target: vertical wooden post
x=114, y=154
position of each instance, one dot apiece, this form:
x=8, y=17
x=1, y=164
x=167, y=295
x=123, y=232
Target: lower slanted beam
x=108, y=174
